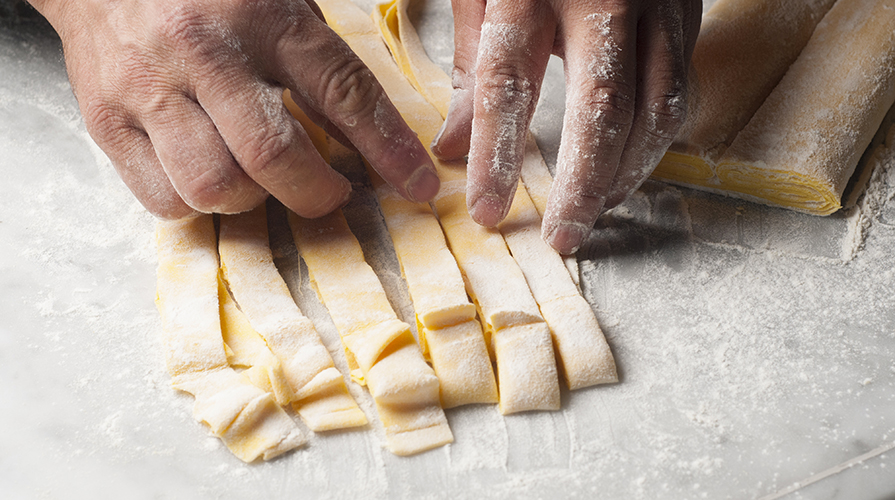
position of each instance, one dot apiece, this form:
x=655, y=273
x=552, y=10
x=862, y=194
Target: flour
x=743, y=343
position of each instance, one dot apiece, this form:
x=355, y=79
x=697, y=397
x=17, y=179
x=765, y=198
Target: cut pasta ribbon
x=320, y=395
x=247, y=419
x=380, y=348
x=581, y=347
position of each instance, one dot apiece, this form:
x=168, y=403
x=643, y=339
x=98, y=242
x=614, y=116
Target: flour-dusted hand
x=626, y=85
x=185, y=97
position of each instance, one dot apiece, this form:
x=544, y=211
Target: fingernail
x=347, y=197
x=487, y=210
x=566, y=237
x=435, y=146
x=423, y=184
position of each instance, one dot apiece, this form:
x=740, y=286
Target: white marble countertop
x=756, y=346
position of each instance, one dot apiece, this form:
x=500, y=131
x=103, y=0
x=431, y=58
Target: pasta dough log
x=579, y=342
x=248, y=420
x=404, y=388
x=743, y=50
x=493, y=279
x=446, y=321
x=264, y=298
x=803, y=144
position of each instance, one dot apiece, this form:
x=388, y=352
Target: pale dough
x=802, y=146
x=582, y=349
x=493, y=279
x=446, y=320
x=786, y=96
x=264, y=298
x=248, y=420
x=379, y=346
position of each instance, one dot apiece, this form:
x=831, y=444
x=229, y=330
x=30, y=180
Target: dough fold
x=580, y=344
x=248, y=420
x=265, y=300
x=380, y=347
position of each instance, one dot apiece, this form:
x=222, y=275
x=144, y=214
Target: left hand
x=626, y=65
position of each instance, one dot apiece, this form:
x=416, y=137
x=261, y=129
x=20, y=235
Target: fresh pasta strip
x=407, y=50
x=248, y=420
x=388, y=359
x=446, y=320
x=802, y=146
x=579, y=341
x=435, y=86
x=264, y=298
x=537, y=181
x=247, y=349
x=582, y=349
x=493, y=279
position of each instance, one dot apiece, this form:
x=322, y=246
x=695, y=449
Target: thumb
x=452, y=141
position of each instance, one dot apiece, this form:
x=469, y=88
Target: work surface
x=756, y=347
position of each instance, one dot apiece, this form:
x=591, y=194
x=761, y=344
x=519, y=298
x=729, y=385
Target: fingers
x=329, y=78
x=661, y=99
x=452, y=141
x=133, y=157
x=198, y=163
x=599, y=50
x=270, y=146
x=515, y=44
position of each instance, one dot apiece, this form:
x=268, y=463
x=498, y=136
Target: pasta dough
x=802, y=146
x=795, y=140
x=526, y=367
x=320, y=394
x=380, y=348
x=582, y=349
x=248, y=420
x=446, y=320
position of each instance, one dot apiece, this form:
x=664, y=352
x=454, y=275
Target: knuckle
x=104, y=118
x=605, y=114
x=187, y=32
x=219, y=190
x=208, y=190
x=182, y=25
x=615, y=97
x=349, y=93
x=264, y=152
x=504, y=88
x=665, y=115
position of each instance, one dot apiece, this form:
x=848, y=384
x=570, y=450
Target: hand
x=185, y=97
x=626, y=85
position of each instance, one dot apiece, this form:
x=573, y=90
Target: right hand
x=185, y=97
